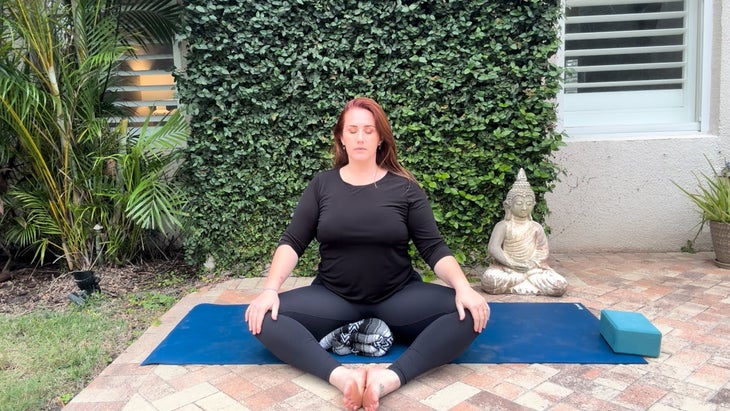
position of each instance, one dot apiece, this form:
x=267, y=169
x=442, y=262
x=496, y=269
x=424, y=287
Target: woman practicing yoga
x=364, y=212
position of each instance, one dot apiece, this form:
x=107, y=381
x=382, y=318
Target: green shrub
x=468, y=85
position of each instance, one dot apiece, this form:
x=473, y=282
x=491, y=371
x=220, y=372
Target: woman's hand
x=448, y=269
x=267, y=301
x=468, y=298
x=285, y=258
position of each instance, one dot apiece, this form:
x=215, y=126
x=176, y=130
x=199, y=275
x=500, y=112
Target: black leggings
x=421, y=314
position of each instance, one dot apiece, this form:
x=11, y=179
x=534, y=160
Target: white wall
x=618, y=195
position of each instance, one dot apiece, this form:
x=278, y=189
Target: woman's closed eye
x=365, y=129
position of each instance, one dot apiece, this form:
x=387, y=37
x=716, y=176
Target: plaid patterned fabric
x=370, y=337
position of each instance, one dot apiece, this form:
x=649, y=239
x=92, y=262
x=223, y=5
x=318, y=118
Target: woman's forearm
x=282, y=265
x=449, y=270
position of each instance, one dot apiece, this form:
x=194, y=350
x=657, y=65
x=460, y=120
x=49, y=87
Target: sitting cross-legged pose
x=364, y=212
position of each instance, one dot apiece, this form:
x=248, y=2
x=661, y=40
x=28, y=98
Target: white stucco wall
x=618, y=195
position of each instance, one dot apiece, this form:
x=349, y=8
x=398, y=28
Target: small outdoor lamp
x=88, y=283
x=86, y=280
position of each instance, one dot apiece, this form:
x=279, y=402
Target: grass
x=47, y=357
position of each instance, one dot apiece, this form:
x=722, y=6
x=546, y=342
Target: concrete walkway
x=685, y=295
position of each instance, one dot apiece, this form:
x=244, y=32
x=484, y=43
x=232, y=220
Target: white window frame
x=595, y=123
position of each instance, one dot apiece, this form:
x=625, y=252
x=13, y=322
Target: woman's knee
x=267, y=326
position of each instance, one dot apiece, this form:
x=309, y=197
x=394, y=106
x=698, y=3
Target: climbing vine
x=469, y=87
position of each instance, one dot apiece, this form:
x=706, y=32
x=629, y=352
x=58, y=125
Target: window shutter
x=630, y=62
x=145, y=84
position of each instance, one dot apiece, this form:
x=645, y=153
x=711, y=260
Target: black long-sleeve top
x=364, y=232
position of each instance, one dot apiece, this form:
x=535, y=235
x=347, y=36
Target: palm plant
x=55, y=68
x=5, y=156
x=142, y=188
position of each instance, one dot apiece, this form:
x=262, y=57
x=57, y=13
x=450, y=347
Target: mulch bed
x=32, y=288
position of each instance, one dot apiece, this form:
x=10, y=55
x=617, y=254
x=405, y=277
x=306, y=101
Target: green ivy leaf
x=469, y=88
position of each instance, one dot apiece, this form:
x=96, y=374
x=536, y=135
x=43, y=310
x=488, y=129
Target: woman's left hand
x=448, y=269
x=469, y=299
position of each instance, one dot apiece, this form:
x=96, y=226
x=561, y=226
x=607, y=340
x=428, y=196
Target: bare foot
x=380, y=382
x=352, y=384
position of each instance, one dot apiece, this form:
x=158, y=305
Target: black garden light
x=88, y=283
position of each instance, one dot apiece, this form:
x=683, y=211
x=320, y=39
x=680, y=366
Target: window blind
x=625, y=45
x=631, y=66
x=144, y=84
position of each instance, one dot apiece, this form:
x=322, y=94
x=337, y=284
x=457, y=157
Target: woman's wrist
x=270, y=289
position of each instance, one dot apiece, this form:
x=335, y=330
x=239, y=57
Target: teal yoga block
x=630, y=333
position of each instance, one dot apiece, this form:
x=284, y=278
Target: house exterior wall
x=618, y=194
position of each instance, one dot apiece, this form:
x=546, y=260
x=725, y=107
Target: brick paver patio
x=685, y=295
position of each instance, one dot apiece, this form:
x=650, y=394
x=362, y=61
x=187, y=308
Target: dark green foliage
x=468, y=86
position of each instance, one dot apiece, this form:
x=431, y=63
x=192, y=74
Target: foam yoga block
x=630, y=333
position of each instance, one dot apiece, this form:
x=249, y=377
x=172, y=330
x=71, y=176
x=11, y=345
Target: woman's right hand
x=285, y=258
x=267, y=301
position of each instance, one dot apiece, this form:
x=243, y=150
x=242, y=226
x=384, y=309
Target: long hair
x=387, y=156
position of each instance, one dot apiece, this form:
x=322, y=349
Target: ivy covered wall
x=469, y=88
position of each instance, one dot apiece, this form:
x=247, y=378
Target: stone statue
x=519, y=249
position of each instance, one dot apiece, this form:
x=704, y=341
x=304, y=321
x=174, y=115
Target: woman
x=364, y=212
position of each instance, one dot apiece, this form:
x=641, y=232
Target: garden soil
x=34, y=288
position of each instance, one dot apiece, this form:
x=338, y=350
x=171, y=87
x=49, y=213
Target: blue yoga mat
x=516, y=333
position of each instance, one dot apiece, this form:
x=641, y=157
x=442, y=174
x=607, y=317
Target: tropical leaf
x=171, y=135
x=155, y=205
x=150, y=19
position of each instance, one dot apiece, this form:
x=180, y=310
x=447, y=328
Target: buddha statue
x=519, y=249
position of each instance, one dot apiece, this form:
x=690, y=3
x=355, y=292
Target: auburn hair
x=387, y=156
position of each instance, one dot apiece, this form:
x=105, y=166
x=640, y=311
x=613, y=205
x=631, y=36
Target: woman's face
x=359, y=135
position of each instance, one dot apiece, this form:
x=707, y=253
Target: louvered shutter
x=145, y=84
x=631, y=64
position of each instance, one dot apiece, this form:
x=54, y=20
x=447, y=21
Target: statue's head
x=520, y=198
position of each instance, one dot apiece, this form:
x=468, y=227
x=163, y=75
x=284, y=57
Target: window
x=632, y=65
x=145, y=84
